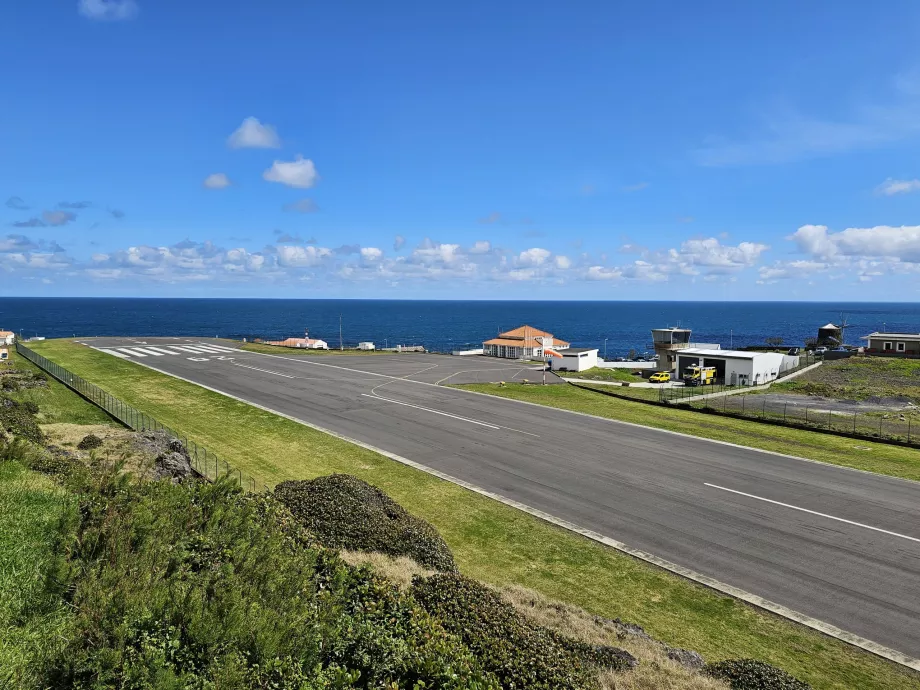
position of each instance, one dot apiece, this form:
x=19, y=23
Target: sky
x=461, y=150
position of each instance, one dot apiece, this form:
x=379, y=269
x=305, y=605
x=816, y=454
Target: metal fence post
x=828, y=419
x=806, y=414
x=763, y=414
x=879, y=427
x=854, y=421
x=785, y=405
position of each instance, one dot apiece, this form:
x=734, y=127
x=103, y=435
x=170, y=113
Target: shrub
x=30, y=406
x=345, y=512
x=89, y=442
x=232, y=597
x=750, y=674
x=16, y=419
x=10, y=383
x=520, y=653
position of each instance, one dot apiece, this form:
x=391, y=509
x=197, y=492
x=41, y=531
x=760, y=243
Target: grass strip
x=491, y=541
x=30, y=621
x=881, y=458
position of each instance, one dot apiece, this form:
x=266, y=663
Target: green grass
x=30, y=507
x=602, y=374
x=491, y=541
x=56, y=402
x=864, y=455
x=858, y=378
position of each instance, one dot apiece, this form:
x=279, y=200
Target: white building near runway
x=523, y=342
x=737, y=367
x=574, y=359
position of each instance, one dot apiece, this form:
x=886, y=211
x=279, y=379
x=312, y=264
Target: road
x=836, y=544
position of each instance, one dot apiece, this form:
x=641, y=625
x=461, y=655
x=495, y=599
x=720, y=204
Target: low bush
x=197, y=585
x=89, y=442
x=345, y=512
x=750, y=674
x=16, y=419
x=30, y=406
x=520, y=653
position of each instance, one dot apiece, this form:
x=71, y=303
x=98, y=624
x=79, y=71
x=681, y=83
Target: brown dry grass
x=655, y=671
x=118, y=444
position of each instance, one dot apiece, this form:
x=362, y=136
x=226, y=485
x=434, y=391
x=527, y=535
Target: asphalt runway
x=835, y=544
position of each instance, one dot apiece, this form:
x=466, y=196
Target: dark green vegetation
x=859, y=378
x=749, y=674
x=520, y=653
x=502, y=546
x=89, y=442
x=345, y=512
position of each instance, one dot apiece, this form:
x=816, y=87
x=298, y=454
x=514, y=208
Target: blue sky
x=595, y=150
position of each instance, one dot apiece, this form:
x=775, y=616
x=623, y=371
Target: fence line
x=203, y=462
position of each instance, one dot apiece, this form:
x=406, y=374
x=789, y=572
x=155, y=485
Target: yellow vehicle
x=699, y=376
x=660, y=377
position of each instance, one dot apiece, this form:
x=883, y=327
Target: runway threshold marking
x=113, y=352
x=813, y=512
x=276, y=373
x=428, y=409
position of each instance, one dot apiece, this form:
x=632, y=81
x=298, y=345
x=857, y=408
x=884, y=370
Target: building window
x=901, y=347
x=887, y=346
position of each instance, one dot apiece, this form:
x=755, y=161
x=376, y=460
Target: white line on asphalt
x=163, y=350
x=149, y=351
x=113, y=352
x=276, y=373
x=428, y=409
x=208, y=348
x=814, y=512
x=186, y=348
x=129, y=351
x=218, y=347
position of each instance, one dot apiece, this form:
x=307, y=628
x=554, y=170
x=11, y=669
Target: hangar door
x=692, y=360
x=719, y=364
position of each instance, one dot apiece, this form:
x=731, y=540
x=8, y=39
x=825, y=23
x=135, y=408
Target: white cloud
x=900, y=243
x=398, y=242
x=371, y=253
x=603, y=273
x=298, y=257
x=108, y=10
x=790, y=270
x=535, y=256
x=252, y=134
x=481, y=247
x=890, y=187
x=563, y=262
x=299, y=173
x=711, y=253
x=216, y=181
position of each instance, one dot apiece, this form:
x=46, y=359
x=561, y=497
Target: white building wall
x=576, y=361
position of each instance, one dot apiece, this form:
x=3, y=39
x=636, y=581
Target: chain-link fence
x=896, y=425
x=203, y=461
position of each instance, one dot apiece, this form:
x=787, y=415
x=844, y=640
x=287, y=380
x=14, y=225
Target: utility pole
x=340, y=333
x=605, y=349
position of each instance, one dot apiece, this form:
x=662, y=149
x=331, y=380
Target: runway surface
x=836, y=544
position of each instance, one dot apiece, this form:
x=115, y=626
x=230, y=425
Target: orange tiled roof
x=525, y=332
x=530, y=342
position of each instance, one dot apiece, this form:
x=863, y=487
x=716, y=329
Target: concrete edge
x=687, y=573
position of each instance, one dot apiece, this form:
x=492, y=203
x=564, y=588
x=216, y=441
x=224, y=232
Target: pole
x=785, y=405
x=854, y=421
x=605, y=349
x=340, y=333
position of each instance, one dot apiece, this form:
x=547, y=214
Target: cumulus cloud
x=890, y=187
x=563, y=262
x=252, y=134
x=58, y=218
x=371, y=253
x=299, y=173
x=17, y=203
x=301, y=206
x=108, y=10
x=16, y=243
x=481, y=247
x=900, y=243
x=535, y=256
x=216, y=181
x=300, y=257
x=790, y=270
x=398, y=243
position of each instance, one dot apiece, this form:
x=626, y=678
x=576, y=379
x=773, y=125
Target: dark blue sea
x=449, y=325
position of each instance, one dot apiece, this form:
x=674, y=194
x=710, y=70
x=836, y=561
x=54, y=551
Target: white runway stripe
x=112, y=352
x=163, y=350
x=149, y=351
x=186, y=348
x=220, y=348
x=131, y=352
x=208, y=348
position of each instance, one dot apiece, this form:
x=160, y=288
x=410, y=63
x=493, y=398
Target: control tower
x=667, y=341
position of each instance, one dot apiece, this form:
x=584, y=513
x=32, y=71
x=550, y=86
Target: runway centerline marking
x=814, y=512
x=428, y=409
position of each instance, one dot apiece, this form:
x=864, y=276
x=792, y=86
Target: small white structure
x=7, y=337
x=366, y=346
x=737, y=367
x=574, y=359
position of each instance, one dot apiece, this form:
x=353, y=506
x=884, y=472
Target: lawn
x=30, y=620
x=859, y=378
x=603, y=374
x=491, y=541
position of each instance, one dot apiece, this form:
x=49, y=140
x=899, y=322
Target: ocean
x=449, y=325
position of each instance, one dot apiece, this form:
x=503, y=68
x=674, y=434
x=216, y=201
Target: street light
x=605, y=349
x=543, y=352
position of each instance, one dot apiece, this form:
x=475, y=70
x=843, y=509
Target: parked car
x=793, y=351
x=820, y=350
x=660, y=377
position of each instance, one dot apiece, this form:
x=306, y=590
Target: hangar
x=737, y=367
